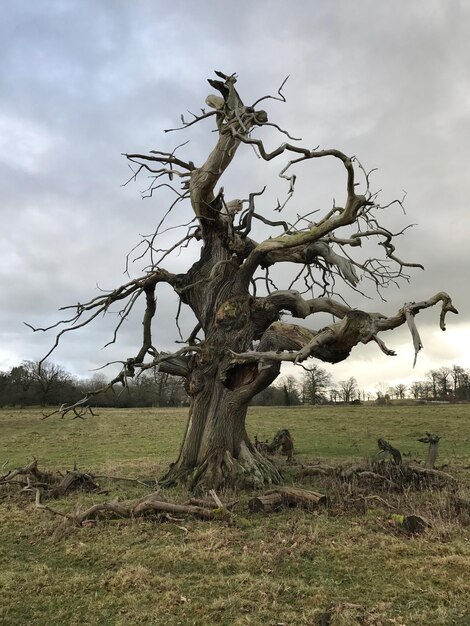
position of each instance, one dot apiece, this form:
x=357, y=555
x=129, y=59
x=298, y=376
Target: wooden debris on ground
x=286, y=496
x=394, y=475
x=52, y=484
x=386, y=448
x=151, y=503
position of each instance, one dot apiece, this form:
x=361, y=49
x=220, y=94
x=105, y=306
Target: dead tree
x=240, y=339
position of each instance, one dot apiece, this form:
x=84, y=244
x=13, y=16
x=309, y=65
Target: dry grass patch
x=352, y=560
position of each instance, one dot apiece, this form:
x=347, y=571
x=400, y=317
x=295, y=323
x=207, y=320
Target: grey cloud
x=82, y=82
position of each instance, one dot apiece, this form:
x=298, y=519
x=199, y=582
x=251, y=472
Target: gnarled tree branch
x=334, y=343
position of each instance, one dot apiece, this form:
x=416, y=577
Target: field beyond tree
x=349, y=563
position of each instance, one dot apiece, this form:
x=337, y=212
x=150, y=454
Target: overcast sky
x=81, y=82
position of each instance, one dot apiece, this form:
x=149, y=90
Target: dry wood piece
x=383, y=475
x=302, y=497
x=159, y=506
x=287, y=496
x=208, y=503
x=149, y=503
x=268, y=503
x=54, y=484
x=282, y=441
x=31, y=471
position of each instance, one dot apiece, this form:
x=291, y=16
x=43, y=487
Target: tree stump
x=433, y=449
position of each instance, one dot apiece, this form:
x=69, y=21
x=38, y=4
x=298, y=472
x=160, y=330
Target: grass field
x=282, y=569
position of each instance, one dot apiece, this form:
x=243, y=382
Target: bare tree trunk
x=216, y=451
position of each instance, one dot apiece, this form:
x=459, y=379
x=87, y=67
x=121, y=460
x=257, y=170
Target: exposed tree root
x=251, y=470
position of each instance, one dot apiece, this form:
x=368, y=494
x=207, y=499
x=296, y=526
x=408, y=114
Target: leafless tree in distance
x=348, y=389
x=240, y=339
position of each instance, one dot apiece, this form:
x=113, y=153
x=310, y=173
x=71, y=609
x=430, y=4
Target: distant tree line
x=316, y=386
x=446, y=383
x=451, y=384
x=49, y=384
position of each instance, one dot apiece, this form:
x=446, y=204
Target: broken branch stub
x=433, y=450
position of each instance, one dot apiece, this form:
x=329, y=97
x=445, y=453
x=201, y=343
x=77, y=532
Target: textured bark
x=216, y=451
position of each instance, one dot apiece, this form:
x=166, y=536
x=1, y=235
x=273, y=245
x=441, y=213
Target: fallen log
x=287, y=496
x=208, y=503
x=180, y=509
x=433, y=477
x=134, y=509
x=267, y=504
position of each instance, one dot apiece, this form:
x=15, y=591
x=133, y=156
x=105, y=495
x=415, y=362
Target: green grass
x=280, y=569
